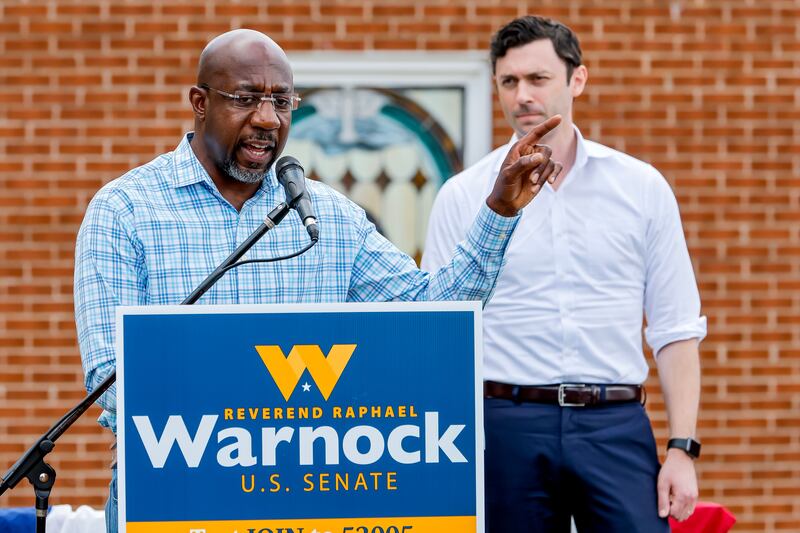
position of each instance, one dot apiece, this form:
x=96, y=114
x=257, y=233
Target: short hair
x=524, y=30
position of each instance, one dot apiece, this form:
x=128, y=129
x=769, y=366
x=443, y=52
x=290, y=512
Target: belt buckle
x=562, y=392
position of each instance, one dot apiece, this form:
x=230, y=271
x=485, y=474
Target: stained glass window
x=388, y=148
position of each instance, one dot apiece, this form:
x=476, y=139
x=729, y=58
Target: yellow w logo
x=325, y=372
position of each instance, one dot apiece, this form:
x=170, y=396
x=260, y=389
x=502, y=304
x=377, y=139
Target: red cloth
x=708, y=517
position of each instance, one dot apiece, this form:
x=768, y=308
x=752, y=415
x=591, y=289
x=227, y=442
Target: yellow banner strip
x=428, y=524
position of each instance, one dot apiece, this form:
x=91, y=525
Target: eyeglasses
x=253, y=101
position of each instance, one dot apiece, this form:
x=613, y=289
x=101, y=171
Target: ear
x=197, y=98
x=579, y=77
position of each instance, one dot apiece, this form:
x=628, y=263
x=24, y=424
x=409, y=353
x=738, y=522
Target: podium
x=339, y=418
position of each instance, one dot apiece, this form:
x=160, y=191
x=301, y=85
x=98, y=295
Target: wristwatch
x=690, y=446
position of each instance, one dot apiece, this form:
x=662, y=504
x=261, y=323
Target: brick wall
x=708, y=91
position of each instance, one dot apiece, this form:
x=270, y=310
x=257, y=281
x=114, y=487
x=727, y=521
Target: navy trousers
x=545, y=463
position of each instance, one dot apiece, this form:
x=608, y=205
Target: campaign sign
x=333, y=418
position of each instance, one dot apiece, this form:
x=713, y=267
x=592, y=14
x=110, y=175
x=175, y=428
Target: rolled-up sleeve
x=671, y=298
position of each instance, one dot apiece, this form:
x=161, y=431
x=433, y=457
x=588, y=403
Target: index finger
x=540, y=130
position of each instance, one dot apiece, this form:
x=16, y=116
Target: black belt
x=565, y=394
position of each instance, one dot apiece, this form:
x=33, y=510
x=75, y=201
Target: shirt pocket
x=613, y=249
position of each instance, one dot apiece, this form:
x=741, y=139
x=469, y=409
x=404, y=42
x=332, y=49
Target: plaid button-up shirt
x=151, y=236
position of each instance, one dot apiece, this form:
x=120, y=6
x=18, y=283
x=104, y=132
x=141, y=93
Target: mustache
x=525, y=109
x=262, y=137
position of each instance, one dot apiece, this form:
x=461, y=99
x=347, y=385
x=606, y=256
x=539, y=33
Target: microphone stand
x=32, y=466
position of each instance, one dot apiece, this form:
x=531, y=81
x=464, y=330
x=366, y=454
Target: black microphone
x=293, y=178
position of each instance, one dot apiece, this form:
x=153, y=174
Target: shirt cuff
x=490, y=232
x=657, y=339
x=108, y=420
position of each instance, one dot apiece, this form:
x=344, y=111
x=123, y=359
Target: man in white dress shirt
x=566, y=432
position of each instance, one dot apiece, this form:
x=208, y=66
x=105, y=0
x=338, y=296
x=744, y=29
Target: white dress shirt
x=583, y=264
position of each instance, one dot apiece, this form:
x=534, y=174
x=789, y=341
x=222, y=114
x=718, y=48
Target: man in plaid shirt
x=151, y=236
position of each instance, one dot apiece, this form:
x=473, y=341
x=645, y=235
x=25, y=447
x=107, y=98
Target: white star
x=306, y=388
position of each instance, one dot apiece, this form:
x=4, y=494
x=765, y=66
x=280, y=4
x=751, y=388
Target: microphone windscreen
x=284, y=162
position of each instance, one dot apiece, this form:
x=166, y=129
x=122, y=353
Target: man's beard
x=243, y=175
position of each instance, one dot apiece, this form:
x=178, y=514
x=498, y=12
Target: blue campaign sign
x=343, y=418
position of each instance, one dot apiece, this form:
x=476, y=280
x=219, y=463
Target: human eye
x=247, y=99
x=282, y=102
x=508, y=82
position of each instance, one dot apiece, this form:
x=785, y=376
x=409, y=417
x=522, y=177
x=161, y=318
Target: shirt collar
x=584, y=151
x=188, y=169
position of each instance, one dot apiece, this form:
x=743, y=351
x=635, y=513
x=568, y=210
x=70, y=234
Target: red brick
x=298, y=10
x=10, y=62
x=103, y=28
x=235, y=10
x=446, y=44
x=128, y=44
x=54, y=62
x=184, y=9
x=315, y=27
x=78, y=43
x=149, y=26
x=356, y=28
x=84, y=9
x=446, y=10
x=342, y=10
x=117, y=9
x=25, y=11
x=415, y=28
x=386, y=9
x=505, y=12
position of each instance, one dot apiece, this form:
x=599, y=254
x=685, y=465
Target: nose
x=265, y=116
x=525, y=93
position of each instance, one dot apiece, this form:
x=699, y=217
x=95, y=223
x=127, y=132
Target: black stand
x=32, y=466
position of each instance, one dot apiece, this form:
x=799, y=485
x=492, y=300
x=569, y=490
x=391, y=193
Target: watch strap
x=689, y=445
